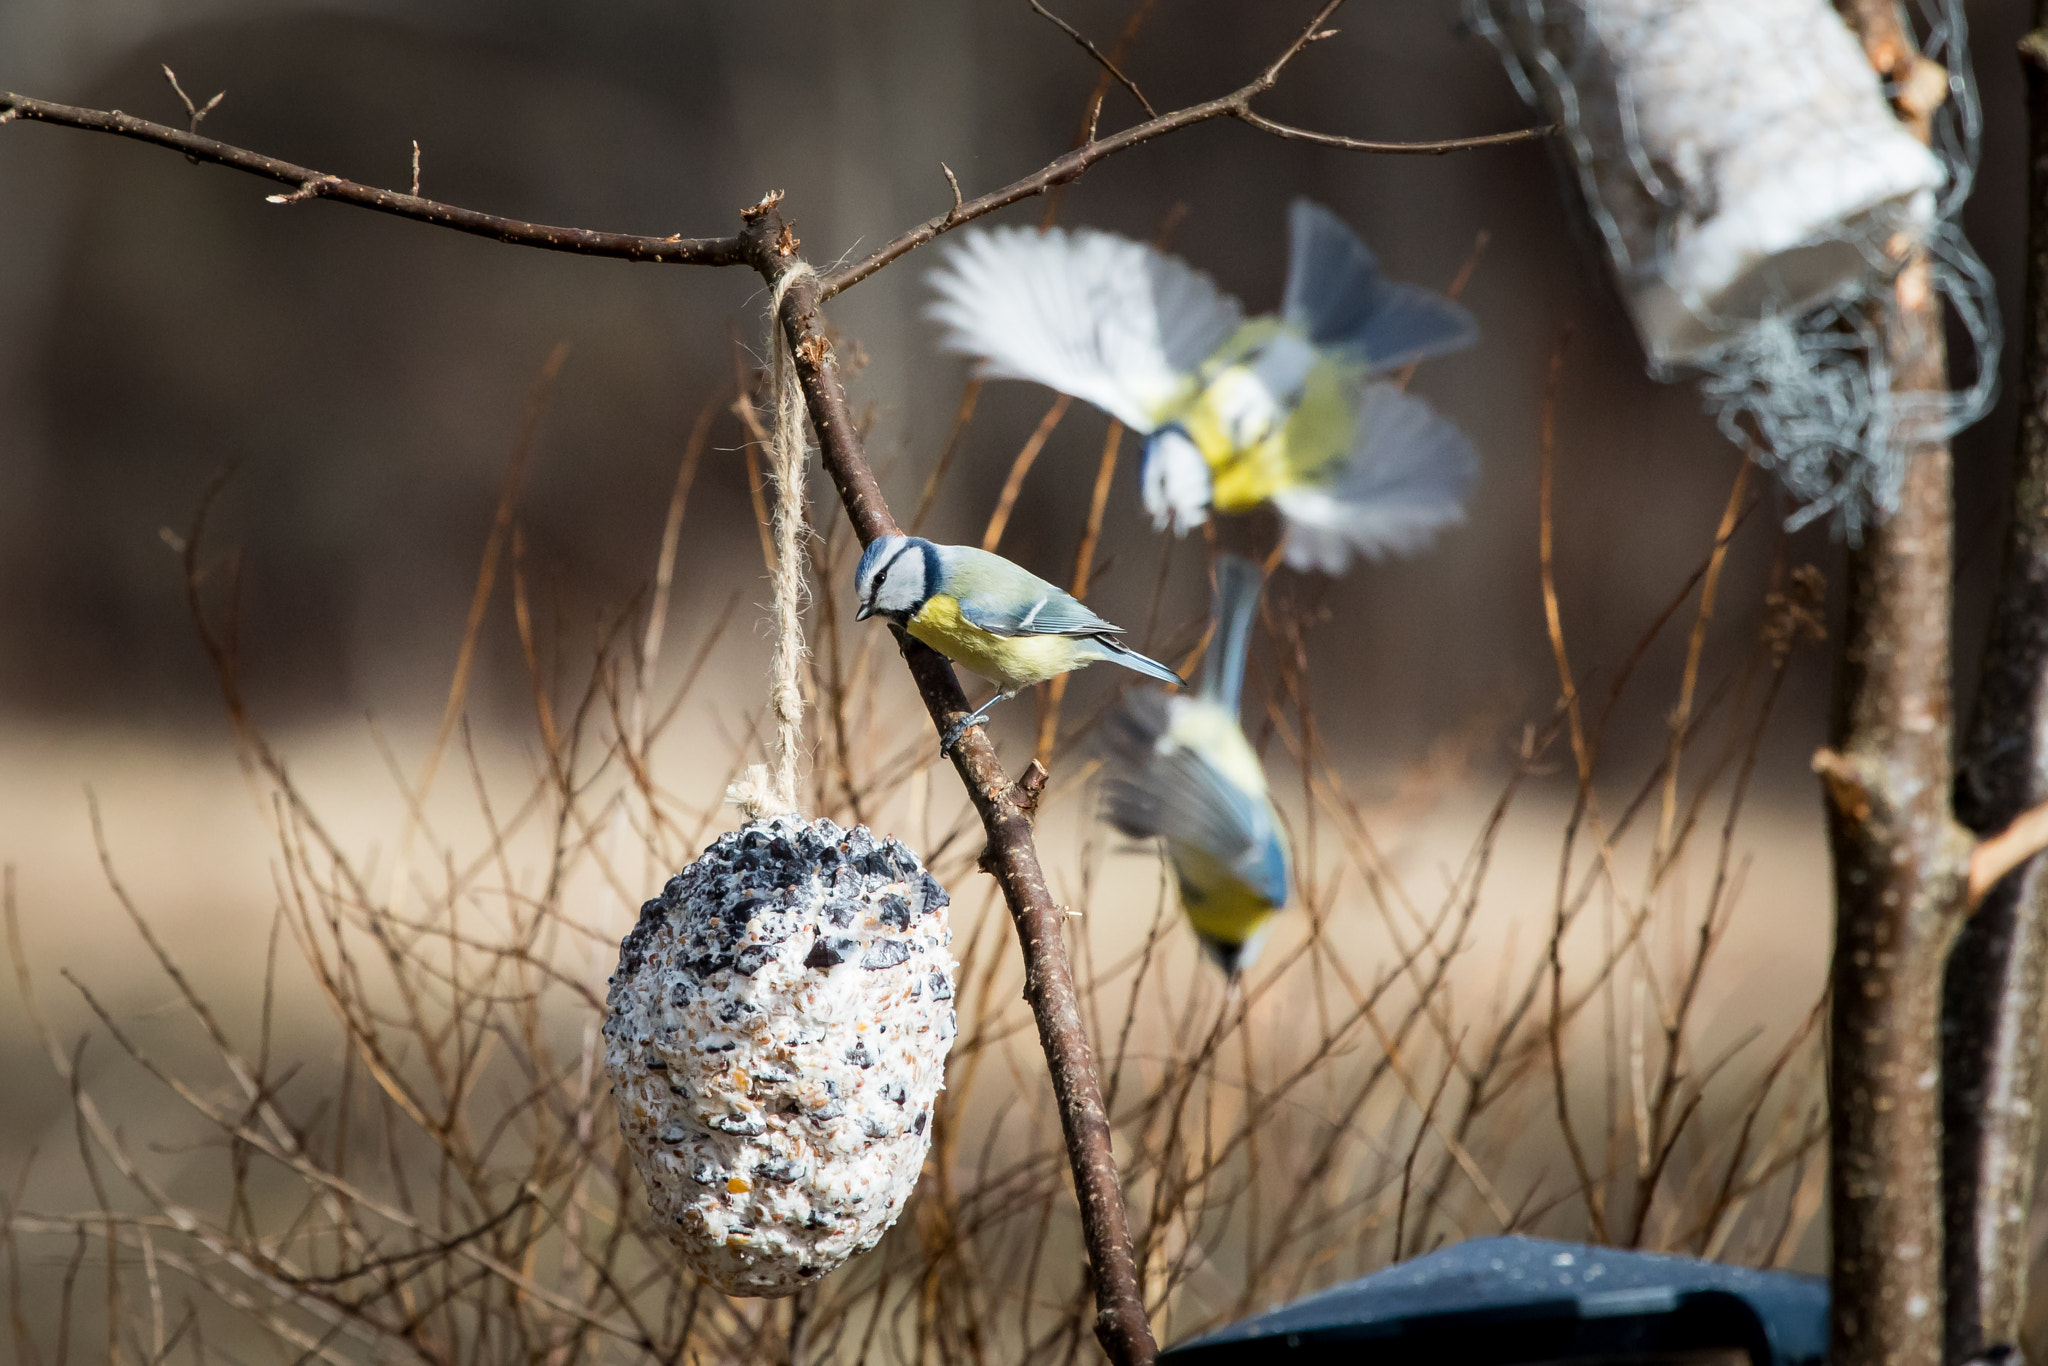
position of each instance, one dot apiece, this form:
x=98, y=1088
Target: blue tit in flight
x=1181, y=770
x=978, y=609
x=1278, y=410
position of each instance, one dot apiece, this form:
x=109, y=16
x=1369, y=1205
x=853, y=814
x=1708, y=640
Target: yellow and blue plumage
x=1279, y=410
x=1184, y=773
x=995, y=618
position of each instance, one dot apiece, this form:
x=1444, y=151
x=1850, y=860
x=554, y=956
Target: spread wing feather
x=1336, y=294
x=1406, y=477
x=1113, y=322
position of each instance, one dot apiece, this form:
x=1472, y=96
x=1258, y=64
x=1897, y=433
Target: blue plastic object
x=1500, y=1301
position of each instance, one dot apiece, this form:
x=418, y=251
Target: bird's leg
x=973, y=718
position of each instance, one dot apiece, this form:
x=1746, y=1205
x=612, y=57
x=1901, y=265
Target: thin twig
x=308, y=183
x=1027, y=455
x=197, y=112
x=1413, y=149
x=1998, y=855
x=1101, y=59
x=1076, y=163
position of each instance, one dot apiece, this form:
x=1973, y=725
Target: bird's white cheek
x=1177, y=487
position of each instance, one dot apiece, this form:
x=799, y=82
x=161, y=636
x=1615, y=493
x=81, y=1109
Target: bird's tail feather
x=1117, y=652
x=1336, y=294
x=1238, y=582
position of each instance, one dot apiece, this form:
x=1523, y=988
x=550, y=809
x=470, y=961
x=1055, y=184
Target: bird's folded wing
x=1170, y=790
x=1053, y=614
x=1007, y=600
x=1108, y=320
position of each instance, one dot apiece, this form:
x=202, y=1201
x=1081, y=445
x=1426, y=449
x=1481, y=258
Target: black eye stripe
x=883, y=572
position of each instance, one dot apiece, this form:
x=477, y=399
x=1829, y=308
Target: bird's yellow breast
x=1220, y=906
x=1256, y=441
x=1010, y=662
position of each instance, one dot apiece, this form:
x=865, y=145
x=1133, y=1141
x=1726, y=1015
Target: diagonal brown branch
x=1075, y=164
x=1011, y=857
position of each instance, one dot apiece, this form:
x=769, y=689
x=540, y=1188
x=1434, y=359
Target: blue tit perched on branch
x=1277, y=410
x=1182, y=771
x=978, y=609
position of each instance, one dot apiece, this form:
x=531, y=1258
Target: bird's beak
x=864, y=613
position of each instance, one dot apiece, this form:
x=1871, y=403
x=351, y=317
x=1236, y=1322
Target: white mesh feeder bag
x=1753, y=190
x=778, y=1026
x=1738, y=154
x=777, y=1038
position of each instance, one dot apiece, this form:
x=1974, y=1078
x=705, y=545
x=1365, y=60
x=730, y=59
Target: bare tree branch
x=307, y=183
x=1996, y=855
x=1293, y=134
x=1011, y=857
x=1093, y=51
x=193, y=111
x=1076, y=163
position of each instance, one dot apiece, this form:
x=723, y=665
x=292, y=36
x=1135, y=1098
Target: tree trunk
x=1991, y=1013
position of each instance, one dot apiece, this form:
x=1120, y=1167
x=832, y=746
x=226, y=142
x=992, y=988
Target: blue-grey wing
x=1266, y=868
x=1336, y=294
x=1005, y=600
x=1172, y=791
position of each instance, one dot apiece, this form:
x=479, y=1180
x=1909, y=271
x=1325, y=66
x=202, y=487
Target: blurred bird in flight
x=1279, y=410
x=978, y=609
x=1182, y=771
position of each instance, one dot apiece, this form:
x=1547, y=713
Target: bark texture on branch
x=1991, y=1013
x=1901, y=862
x=1901, y=870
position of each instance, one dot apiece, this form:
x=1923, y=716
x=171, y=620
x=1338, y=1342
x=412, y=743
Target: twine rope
x=763, y=793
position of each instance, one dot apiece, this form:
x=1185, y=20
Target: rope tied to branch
x=763, y=793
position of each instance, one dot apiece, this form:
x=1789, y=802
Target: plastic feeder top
x=1496, y=1301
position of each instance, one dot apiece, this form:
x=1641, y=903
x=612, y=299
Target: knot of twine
x=766, y=791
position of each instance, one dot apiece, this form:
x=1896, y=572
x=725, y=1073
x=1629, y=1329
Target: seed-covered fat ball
x=777, y=1038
